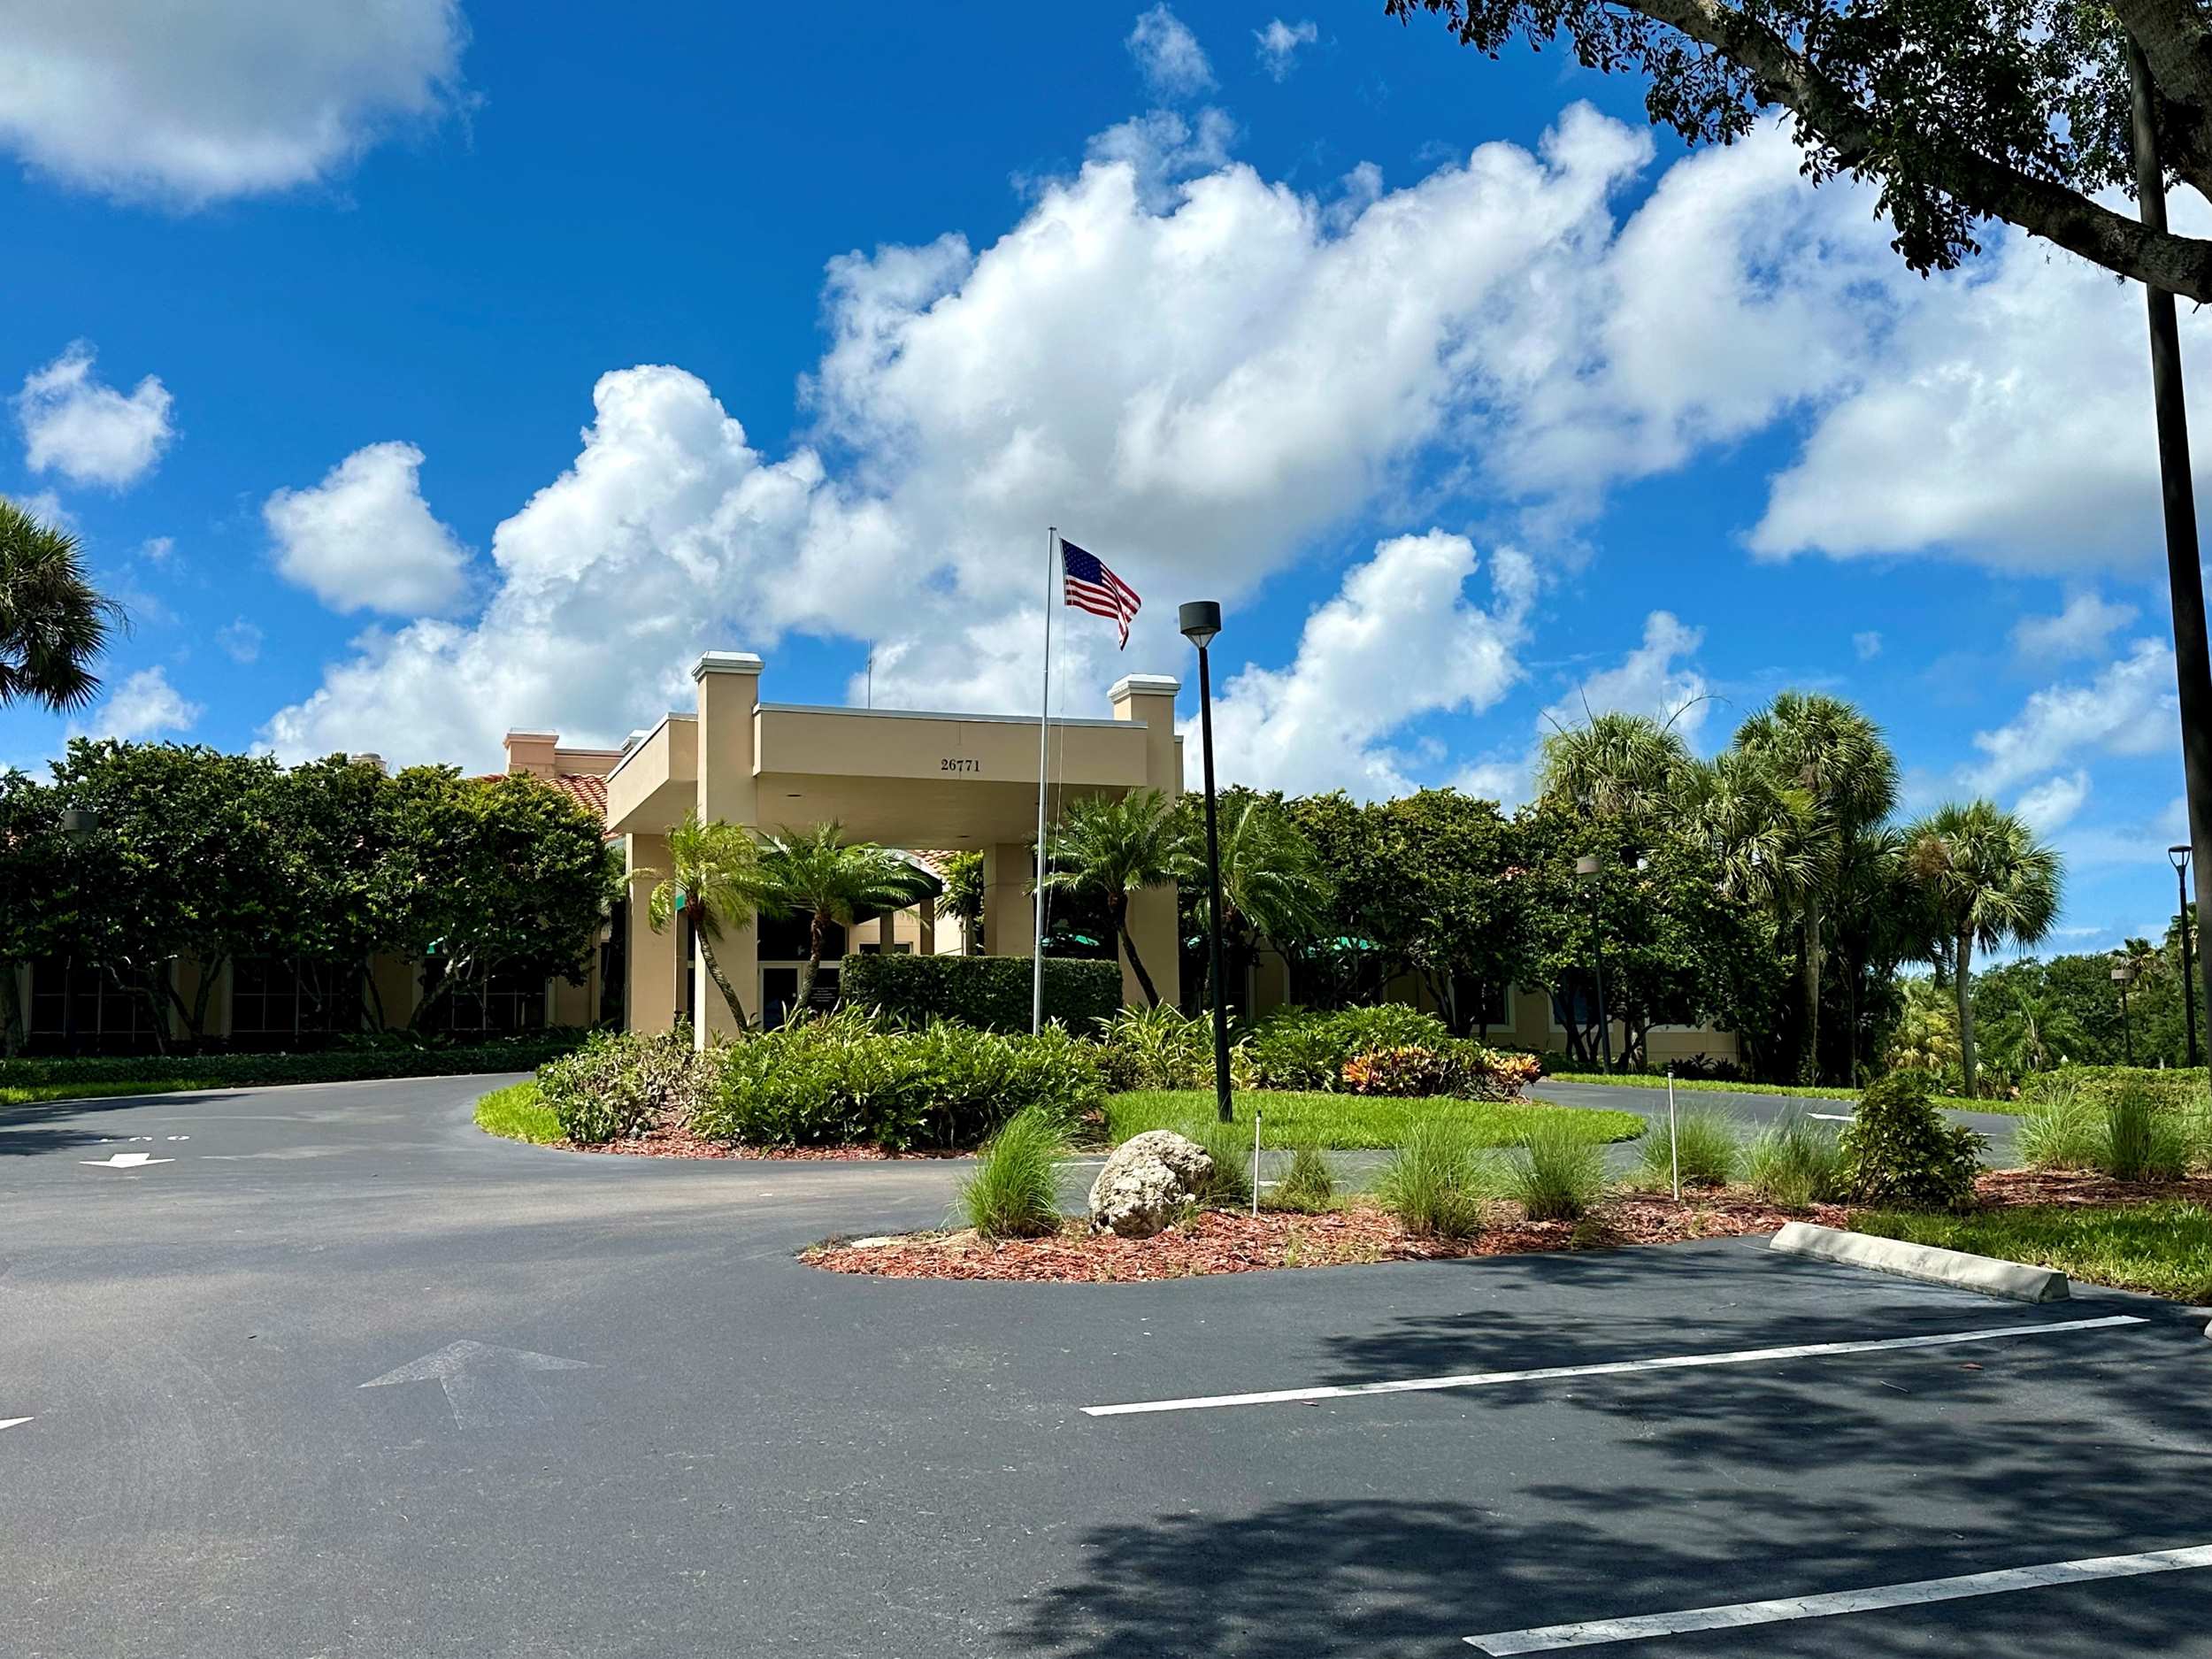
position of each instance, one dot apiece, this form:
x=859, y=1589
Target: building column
x=1010, y=918
x=926, y=926
x=1154, y=922
x=651, y=999
x=729, y=699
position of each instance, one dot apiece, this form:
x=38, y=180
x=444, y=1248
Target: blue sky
x=419, y=375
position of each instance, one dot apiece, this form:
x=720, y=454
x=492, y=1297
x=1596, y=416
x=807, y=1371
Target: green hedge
x=2177, y=1088
x=255, y=1071
x=989, y=992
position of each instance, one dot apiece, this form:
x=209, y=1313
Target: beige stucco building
x=959, y=782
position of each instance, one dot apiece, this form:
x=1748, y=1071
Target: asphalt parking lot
x=343, y=1377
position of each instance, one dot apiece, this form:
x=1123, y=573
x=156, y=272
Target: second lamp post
x=1586, y=869
x=1199, y=620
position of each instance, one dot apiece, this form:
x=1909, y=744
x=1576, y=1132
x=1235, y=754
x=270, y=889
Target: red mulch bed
x=1228, y=1242
x=2009, y=1187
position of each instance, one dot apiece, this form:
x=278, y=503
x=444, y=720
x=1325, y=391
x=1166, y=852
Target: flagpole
x=1044, y=717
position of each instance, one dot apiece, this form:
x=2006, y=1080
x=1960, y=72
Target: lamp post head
x=2178, y=855
x=1586, y=866
x=77, y=823
x=1199, y=620
x=2122, y=974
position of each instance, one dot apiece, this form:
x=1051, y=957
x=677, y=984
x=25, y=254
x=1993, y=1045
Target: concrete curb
x=1955, y=1268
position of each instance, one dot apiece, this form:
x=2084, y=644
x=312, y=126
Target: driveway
x=1753, y=1110
x=332, y=1373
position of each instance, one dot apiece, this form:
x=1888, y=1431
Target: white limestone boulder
x=1147, y=1182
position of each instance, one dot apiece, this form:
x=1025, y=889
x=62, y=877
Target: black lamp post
x=2121, y=975
x=1587, y=868
x=2178, y=857
x=1199, y=620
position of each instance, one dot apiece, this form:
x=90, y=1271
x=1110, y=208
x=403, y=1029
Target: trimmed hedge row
x=989, y=993
x=326, y=1065
x=2178, y=1088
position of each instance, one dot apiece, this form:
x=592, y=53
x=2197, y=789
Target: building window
x=79, y=1008
x=504, y=1003
x=786, y=939
x=280, y=1002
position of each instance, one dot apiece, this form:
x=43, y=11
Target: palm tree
x=1273, y=884
x=1830, y=761
x=2037, y=1032
x=714, y=877
x=1113, y=846
x=53, y=621
x=1989, y=881
x=1617, y=767
x=817, y=874
x=964, y=896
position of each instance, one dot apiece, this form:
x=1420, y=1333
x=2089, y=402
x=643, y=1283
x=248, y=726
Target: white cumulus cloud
x=2051, y=805
x=364, y=539
x=191, y=101
x=2084, y=628
x=1326, y=721
x=78, y=425
x=145, y=705
x=1173, y=62
x=1279, y=44
x=2128, y=709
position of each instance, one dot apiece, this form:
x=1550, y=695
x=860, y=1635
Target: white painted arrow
x=9, y=1423
x=462, y=1369
x=125, y=1161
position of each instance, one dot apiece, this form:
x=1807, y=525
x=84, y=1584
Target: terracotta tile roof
x=586, y=791
x=938, y=859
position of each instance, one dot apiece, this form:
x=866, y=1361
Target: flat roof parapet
x=1144, y=685
x=726, y=662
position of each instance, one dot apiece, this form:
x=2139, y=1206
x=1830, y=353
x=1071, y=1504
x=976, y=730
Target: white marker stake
x=125, y=1161
x=1257, y=1115
x=1674, y=1143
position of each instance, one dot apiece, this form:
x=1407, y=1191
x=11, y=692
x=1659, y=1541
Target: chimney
x=533, y=752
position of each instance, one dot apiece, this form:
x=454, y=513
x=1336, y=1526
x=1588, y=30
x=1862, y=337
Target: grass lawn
x=35, y=1093
x=517, y=1113
x=1637, y=1079
x=1343, y=1121
x=2165, y=1248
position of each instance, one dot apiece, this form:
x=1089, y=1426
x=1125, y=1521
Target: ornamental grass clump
x=1795, y=1163
x=1307, y=1186
x=1433, y=1184
x=1230, y=1146
x=1015, y=1192
x=2064, y=1131
x=1558, y=1175
x=1705, y=1143
x=2142, y=1141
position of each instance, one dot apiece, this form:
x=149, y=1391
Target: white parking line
x=1549, y=1638
x=1831, y=1118
x=1670, y=1362
x=9, y=1423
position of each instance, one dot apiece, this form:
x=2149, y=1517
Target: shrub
x=1015, y=1191
x=841, y=1080
x=2063, y=1130
x=989, y=993
x=1230, y=1146
x=1558, y=1175
x=1307, y=1185
x=1156, y=1047
x=2175, y=1089
x=1386, y=1049
x=1898, y=1151
x=1408, y=1070
x=620, y=1084
x=1434, y=1183
x=2143, y=1142
x=1708, y=1151
x=1795, y=1162
x=378, y=1055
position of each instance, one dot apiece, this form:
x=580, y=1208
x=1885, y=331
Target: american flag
x=1091, y=586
